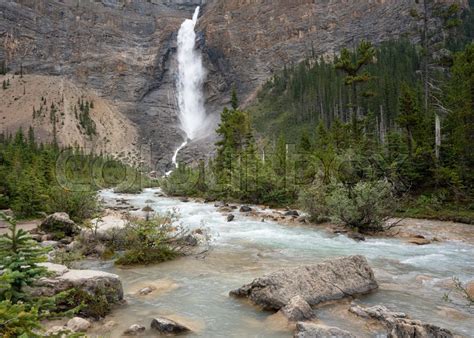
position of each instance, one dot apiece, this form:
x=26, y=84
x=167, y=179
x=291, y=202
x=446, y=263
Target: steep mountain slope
x=120, y=50
x=124, y=52
x=52, y=106
x=250, y=40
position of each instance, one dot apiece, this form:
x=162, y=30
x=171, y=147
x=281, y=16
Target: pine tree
x=234, y=100
x=352, y=63
x=409, y=117
x=19, y=258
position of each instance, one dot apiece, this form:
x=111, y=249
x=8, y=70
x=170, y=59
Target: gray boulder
x=329, y=280
x=310, y=330
x=134, y=330
x=245, y=208
x=292, y=213
x=399, y=325
x=59, y=222
x=168, y=326
x=297, y=310
x=78, y=324
x=230, y=217
x=94, y=283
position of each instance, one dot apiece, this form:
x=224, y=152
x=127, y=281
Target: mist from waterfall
x=191, y=76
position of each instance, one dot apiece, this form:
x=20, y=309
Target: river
x=194, y=290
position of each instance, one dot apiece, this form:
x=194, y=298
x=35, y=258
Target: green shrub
x=314, y=201
x=153, y=240
x=364, y=206
x=17, y=320
x=94, y=305
x=79, y=205
x=146, y=255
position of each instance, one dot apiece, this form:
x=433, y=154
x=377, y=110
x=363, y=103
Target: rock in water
x=399, y=325
x=310, y=330
x=166, y=326
x=78, y=324
x=329, y=280
x=356, y=236
x=134, y=330
x=245, y=208
x=59, y=222
x=292, y=213
x=230, y=217
x=297, y=310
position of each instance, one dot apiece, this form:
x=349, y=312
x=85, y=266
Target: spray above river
x=191, y=76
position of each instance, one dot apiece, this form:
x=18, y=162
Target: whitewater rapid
x=409, y=275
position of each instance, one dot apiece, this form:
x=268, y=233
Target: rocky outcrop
x=101, y=284
x=283, y=32
x=329, y=280
x=121, y=51
x=399, y=325
x=168, y=326
x=310, y=330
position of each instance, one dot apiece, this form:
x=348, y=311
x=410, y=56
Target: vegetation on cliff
x=353, y=126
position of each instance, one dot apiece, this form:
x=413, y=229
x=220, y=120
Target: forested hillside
x=374, y=124
x=44, y=178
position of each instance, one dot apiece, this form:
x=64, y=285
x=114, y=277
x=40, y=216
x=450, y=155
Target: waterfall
x=191, y=75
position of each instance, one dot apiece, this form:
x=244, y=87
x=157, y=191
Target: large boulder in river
x=329, y=280
x=399, y=325
x=59, y=222
x=168, y=326
x=311, y=330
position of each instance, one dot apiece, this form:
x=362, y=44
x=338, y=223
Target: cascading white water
x=191, y=75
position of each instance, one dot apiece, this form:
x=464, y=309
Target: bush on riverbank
x=153, y=240
x=141, y=241
x=364, y=206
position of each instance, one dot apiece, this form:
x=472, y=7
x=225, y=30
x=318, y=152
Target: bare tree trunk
x=437, y=135
x=382, y=126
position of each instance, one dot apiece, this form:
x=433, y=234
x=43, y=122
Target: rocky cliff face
x=123, y=51
x=250, y=39
x=120, y=50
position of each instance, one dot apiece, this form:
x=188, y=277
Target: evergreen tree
x=234, y=100
x=409, y=117
x=19, y=258
x=352, y=63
